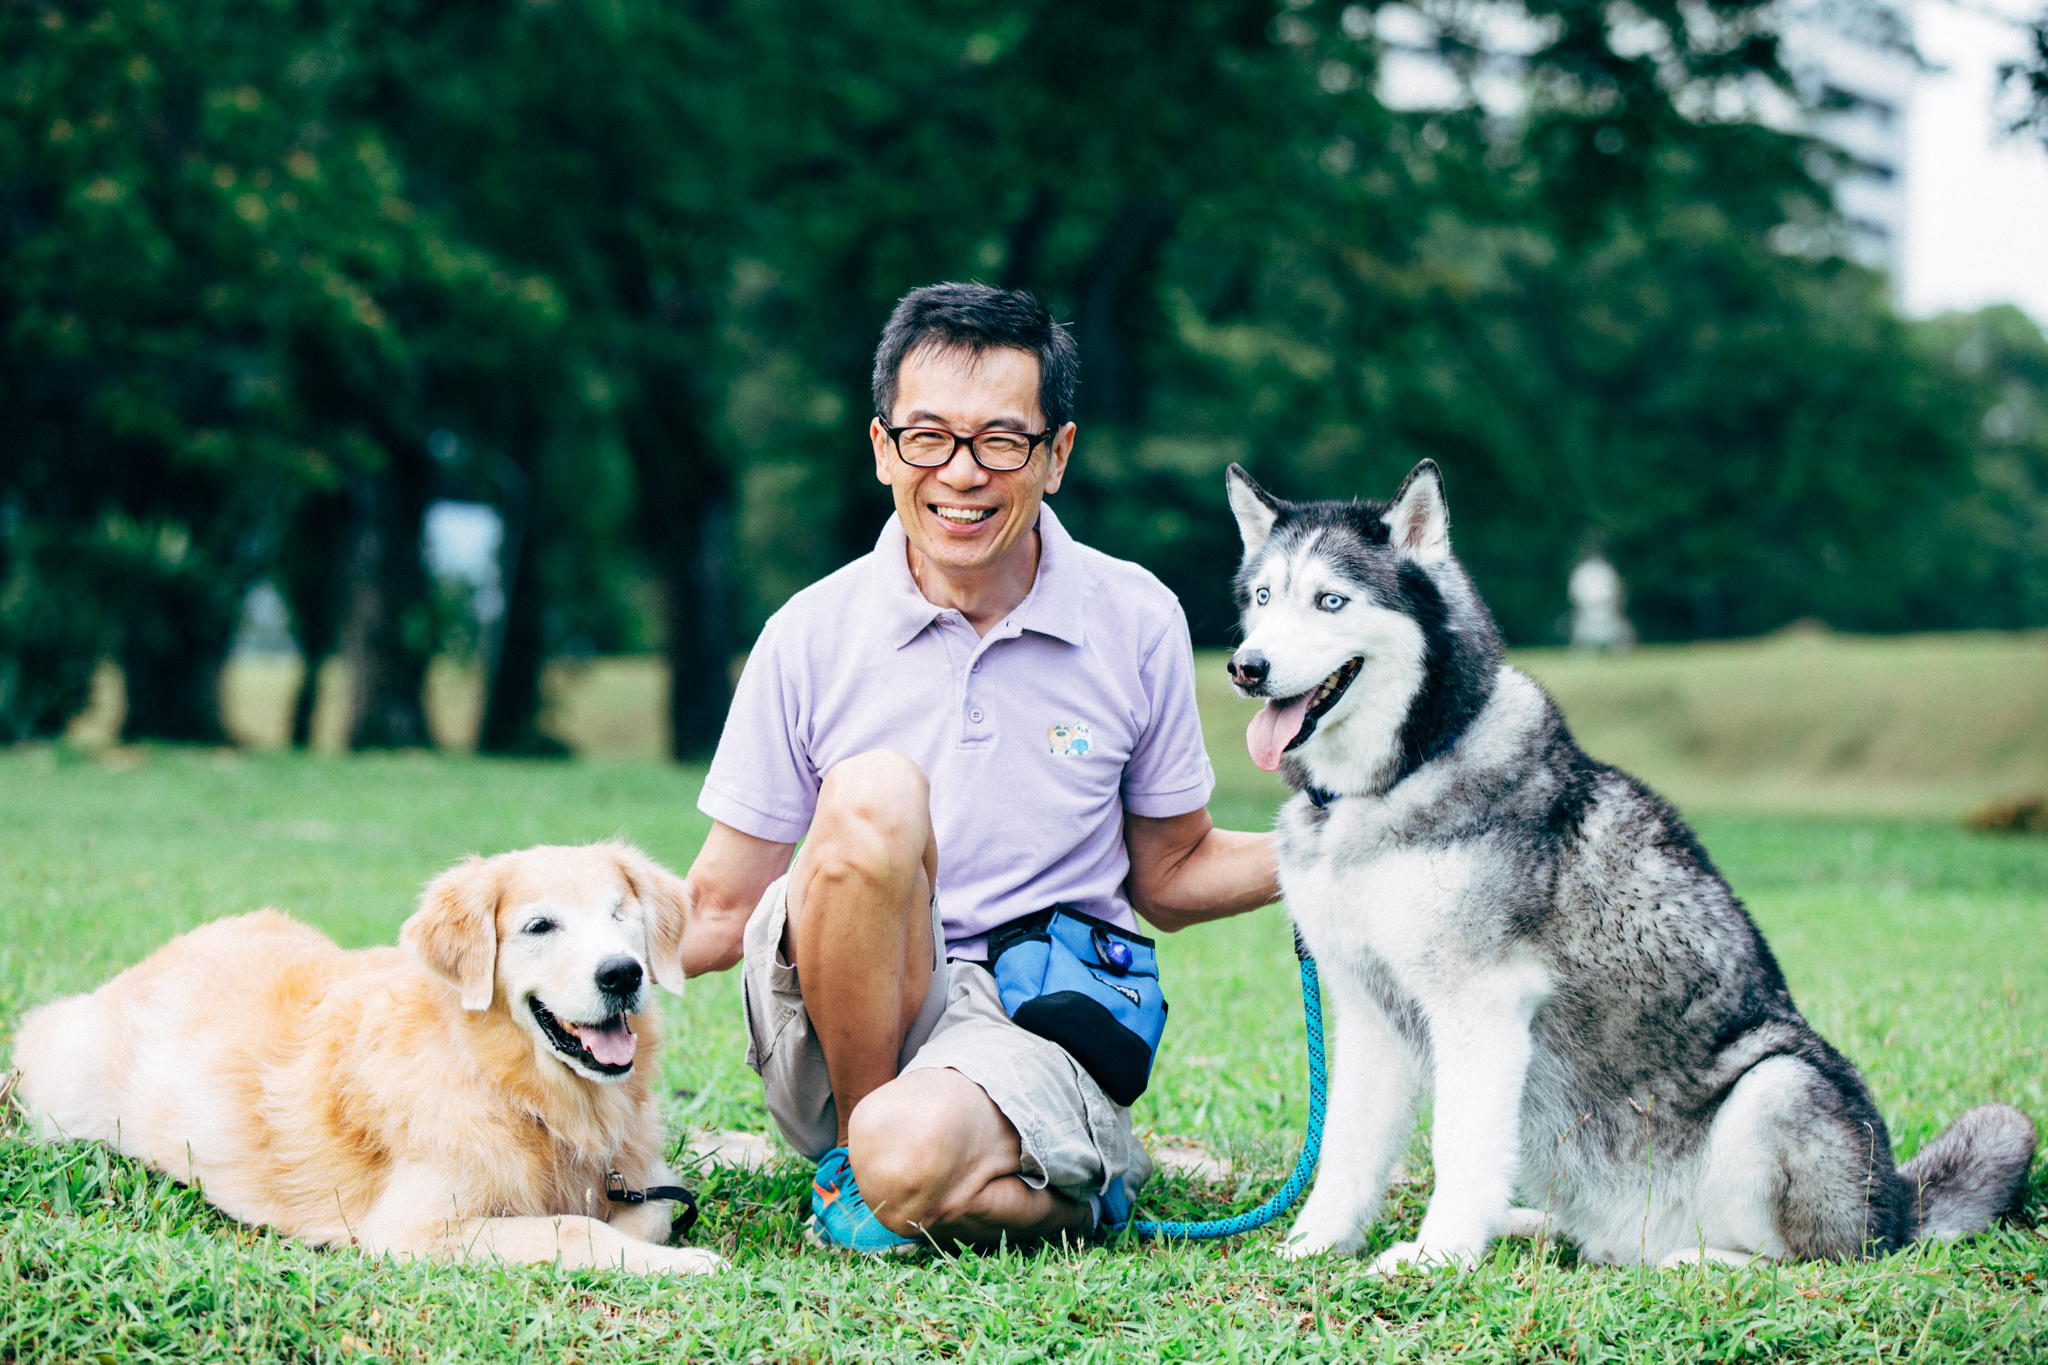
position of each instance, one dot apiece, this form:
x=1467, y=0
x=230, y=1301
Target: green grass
x=1916, y=946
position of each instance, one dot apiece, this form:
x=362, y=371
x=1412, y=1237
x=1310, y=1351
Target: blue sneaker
x=1112, y=1208
x=840, y=1218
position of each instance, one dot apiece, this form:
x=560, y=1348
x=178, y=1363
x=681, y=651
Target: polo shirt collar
x=1053, y=607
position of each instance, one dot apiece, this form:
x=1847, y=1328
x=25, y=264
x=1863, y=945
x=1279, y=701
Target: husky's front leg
x=1481, y=1046
x=1373, y=1084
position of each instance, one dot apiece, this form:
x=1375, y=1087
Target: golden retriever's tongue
x=1274, y=728
x=612, y=1046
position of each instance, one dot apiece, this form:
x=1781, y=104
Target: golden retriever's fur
x=405, y=1100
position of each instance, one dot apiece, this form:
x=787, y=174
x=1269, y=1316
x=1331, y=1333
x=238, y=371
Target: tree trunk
x=684, y=500
x=1112, y=323
x=698, y=615
x=310, y=574
x=171, y=655
x=513, y=699
x=388, y=638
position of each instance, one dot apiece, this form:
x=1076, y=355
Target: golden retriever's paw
x=1405, y=1256
x=695, y=1261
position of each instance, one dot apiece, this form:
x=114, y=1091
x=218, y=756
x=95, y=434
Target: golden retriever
x=468, y=1095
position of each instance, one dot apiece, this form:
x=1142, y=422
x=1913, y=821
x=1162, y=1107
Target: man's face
x=960, y=516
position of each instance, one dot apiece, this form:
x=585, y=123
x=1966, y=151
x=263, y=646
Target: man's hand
x=731, y=872
x=1184, y=870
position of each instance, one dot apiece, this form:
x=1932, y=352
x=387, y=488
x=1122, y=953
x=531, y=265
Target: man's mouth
x=1286, y=722
x=606, y=1048
x=961, y=516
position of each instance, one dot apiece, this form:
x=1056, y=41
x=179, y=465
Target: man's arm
x=1184, y=870
x=731, y=872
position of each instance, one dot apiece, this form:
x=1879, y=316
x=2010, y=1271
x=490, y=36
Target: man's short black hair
x=980, y=318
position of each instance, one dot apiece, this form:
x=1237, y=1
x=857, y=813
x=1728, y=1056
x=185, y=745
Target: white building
x=1856, y=71
x=1932, y=188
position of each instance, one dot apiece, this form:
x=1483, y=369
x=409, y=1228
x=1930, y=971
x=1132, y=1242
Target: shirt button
x=975, y=715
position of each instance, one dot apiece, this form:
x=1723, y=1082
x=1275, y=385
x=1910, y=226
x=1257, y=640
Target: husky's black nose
x=618, y=976
x=1249, y=668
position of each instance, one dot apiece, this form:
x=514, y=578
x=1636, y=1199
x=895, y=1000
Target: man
x=898, y=717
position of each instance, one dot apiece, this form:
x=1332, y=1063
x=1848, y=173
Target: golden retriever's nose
x=618, y=976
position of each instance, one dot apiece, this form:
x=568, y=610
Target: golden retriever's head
x=561, y=938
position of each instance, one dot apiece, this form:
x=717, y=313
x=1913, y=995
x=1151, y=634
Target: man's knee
x=921, y=1147
x=873, y=818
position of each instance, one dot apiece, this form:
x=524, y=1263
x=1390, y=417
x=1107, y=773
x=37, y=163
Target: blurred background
x=395, y=373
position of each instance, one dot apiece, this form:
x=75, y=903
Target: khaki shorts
x=1074, y=1138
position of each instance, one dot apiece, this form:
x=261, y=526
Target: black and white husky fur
x=1543, y=943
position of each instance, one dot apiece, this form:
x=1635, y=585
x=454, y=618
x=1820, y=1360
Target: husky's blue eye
x=1260, y=596
x=1330, y=601
x=540, y=926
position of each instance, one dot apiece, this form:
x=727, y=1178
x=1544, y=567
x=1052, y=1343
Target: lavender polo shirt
x=1037, y=737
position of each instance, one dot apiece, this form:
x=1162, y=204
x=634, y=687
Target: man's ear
x=666, y=903
x=1419, y=523
x=1255, y=509
x=454, y=933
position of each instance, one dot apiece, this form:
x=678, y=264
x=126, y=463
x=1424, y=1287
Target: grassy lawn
x=1915, y=946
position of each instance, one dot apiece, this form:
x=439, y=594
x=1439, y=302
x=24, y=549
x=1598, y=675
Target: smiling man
x=979, y=720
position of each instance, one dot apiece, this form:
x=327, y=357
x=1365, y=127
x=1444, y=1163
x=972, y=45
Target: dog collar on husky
x=1321, y=799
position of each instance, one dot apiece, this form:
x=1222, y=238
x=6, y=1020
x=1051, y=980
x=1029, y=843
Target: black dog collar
x=685, y=1202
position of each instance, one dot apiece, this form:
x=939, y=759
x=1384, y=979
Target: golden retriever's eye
x=540, y=925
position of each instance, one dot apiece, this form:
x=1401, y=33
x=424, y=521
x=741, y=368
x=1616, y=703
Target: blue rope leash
x=1312, y=1011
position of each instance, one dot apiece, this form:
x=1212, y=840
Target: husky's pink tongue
x=1274, y=728
x=612, y=1046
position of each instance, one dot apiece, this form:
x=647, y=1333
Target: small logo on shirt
x=1076, y=740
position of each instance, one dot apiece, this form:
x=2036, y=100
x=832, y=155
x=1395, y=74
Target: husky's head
x=1361, y=630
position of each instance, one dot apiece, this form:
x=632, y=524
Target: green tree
x=218, y=302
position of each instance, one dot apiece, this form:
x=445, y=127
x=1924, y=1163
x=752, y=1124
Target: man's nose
x=961, y=471
x=1248, y=668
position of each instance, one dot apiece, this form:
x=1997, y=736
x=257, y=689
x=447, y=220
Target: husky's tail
x=1972, y=1173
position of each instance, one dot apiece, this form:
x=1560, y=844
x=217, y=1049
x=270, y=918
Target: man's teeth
x=965, y=515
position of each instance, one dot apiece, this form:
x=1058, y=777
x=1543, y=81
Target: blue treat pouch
x=1090, y=987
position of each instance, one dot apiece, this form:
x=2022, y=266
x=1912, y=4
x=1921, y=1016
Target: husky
x=1543, y=943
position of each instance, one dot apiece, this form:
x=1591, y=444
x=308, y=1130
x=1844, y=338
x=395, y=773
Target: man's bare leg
x=935, y=1156
x=860, y=927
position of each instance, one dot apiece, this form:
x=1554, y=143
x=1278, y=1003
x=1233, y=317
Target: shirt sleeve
x=1169, y=772
x=762, y=781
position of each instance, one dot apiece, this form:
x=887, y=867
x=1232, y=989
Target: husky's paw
x=1690, y=1256
x=1415, y=1256
x=1305, y=1239
x=1301, y=1248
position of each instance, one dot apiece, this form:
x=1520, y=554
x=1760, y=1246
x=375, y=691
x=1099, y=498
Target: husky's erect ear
x=667, y=903
x=1419, y=524
x=454, y=933
x=1254, y=507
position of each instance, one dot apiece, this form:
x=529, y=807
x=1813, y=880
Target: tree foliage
x=275, y=276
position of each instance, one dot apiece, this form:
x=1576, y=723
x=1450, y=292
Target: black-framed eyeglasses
x=996, y=450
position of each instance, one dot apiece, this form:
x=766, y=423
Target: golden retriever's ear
x=667, y=902
x=454, y=933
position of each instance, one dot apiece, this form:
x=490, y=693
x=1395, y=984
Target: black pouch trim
x=1116, y=1057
